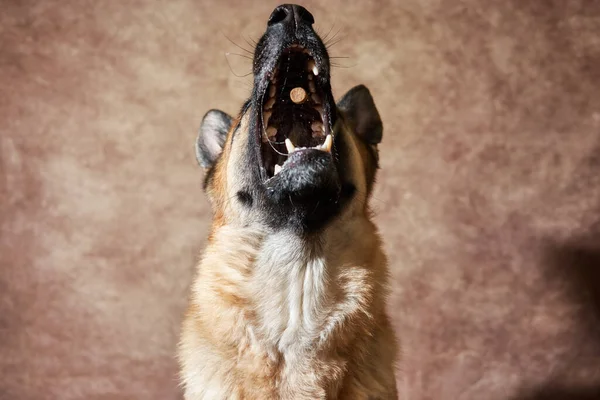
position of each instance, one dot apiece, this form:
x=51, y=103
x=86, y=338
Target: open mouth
x=294, y=119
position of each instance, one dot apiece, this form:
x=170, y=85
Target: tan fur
x=277, y=316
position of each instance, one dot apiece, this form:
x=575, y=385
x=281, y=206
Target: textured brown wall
x=489, y=196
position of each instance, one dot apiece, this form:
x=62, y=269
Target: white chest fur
x=293, y=289
x=274, y=296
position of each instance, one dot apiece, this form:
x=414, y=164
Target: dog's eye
x=245, y=198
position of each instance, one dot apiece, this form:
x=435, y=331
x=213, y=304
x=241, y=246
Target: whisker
x=334, y=36
x=372, y=196
x=247, y=37
x=237, y=45
x=231, y=69
x=248, y=42
x=336, y=65
x=243, y=84
x=329, y=32
x=330, y=45
x=239, y=55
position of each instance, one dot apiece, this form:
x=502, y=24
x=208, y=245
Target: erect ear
x=360, y=111
x=211, y=137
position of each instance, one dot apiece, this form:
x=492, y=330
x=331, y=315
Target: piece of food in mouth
x=293, y=117
x=298, y=95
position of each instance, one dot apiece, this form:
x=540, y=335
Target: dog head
x=291, y=164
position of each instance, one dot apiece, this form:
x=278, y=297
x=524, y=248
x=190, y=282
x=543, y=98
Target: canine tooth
x=311, y=86
x=269, y=103
x=311, y=67
x=327, y=145
x=272, y=90
x=289, y=146
x=315, y=71
x=271, y=131
x=277, y=168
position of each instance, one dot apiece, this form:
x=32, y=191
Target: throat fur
x=294, y=305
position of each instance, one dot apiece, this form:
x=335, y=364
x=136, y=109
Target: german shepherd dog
x=289, y=297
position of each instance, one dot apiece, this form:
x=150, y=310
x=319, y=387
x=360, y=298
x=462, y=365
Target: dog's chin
x=306, y=194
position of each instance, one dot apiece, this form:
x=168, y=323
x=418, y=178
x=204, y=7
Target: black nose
x=292, y=15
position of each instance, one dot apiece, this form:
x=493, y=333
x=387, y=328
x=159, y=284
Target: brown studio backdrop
x=488, y=197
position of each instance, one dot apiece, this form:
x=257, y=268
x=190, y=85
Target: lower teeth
x=326, y=147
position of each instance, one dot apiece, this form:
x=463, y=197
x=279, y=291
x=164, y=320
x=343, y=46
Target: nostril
x=305, y=15
x=291, y=14
x=278, y=15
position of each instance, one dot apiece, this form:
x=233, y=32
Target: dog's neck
x=297, y=287
x=291, y=286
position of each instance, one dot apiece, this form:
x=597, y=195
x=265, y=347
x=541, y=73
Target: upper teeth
x=313, y=67
x=269, y=104
x=271, y=131
x=306, y=92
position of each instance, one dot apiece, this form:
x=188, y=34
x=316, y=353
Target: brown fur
x=488, y=199
x=232, y=349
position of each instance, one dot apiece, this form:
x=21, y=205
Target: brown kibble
x=298, y=95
